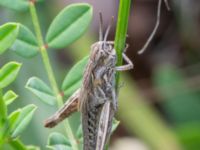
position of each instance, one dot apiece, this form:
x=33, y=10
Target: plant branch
x=44, y=54
x=49, y=70
x=3, y=108
x=3, y=115
x=121, y=31
x=17, y=144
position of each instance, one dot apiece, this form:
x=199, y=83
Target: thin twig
x=49, y=71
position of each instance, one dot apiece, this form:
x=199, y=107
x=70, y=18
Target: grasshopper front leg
x=126, y=67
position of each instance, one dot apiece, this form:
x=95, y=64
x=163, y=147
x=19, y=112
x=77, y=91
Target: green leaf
x=23, y=120
x=8, y=73
x=57, y=141
x=115, y=124
x=41, y=90
x=69, y=25
x=79, y=133
x=9, y=97
x=69, y=91
x=8, y=34
x=189, y=135
x=13, y=118
x=31, y=147
x=3, y=110
x=73, y=79
x=19, y=5
x=26, y=43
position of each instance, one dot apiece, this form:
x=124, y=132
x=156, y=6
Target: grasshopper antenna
x=101, y=27
x=156, y=26
x=167, y=5
x=107, y=30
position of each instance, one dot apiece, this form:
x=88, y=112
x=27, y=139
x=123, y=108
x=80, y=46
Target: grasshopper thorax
x=103, y=52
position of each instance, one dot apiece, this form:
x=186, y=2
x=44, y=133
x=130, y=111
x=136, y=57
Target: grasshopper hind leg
x=69, y=107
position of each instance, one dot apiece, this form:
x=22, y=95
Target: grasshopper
x=97, y=97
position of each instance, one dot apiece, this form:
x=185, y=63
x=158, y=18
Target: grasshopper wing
x=104, y=123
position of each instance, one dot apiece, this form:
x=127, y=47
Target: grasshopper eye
x=96, y=54
x=110, y=48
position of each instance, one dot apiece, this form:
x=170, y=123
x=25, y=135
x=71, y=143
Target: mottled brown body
x=97, y=97
x=97, y=89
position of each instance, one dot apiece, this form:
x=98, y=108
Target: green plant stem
x=149, y=126
x=17, y=145
x=2, y=118
x=44, y=53
x=121, y=31
x=3, y=108
x=50, y=73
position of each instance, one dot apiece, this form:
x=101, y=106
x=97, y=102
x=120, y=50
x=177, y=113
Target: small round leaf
x=8, y=34
x=8, y=73
x=69, y=25
x=73, y=79
x=32, y=147
x=23, y=120
x=13, y=118
x=9, y=97
x=19, y=5
x=58, y=141
x=26, y=43
x=79, y=133
x=41, y=90
x=115, y=124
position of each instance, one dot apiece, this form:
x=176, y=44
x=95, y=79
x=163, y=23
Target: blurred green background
x=159, y=102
